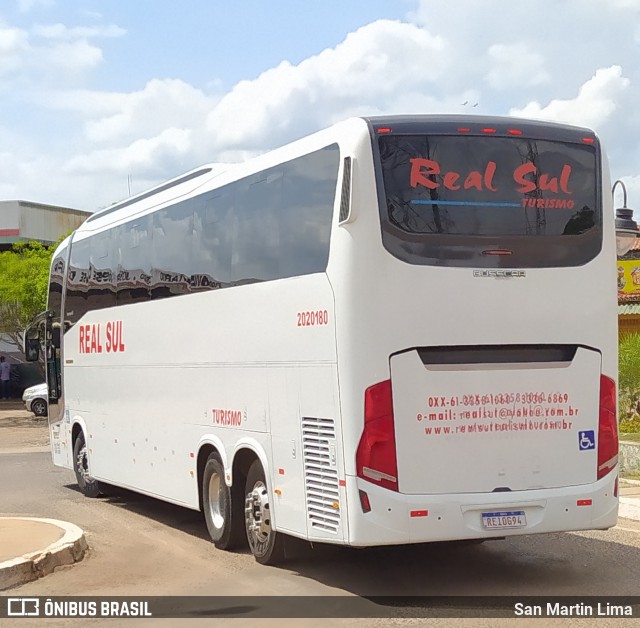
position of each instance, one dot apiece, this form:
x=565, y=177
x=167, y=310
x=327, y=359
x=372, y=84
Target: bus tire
x=89, y=486
x=266, y=545
x=222, y=514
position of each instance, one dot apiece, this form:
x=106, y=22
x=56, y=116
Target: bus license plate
x=502, y=520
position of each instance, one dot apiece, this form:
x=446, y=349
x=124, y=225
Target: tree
x=24, y=276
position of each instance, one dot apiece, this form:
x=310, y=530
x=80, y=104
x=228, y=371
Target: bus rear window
x=489, y=201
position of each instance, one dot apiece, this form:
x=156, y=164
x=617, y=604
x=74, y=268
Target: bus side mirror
x=32, y=349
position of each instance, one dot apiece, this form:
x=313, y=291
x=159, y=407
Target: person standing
x=5, y=377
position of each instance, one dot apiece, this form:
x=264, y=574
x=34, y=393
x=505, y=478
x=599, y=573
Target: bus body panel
x=124, y=373
x=465, y=428
x=396, y=518
x=423, y=307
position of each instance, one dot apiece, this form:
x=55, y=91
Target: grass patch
x=630, y=437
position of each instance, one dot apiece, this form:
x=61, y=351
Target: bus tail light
x=364, y=502
x=607, y=427
x=376, y=455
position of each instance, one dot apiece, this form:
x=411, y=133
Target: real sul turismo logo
x=500, y=274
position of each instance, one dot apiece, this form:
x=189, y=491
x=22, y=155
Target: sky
x=101, y=100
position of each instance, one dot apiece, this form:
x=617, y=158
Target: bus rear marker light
x=364, y=501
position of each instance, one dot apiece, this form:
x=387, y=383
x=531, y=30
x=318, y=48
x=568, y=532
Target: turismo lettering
x=228, y=418
x=91, y=338
x=527, y=176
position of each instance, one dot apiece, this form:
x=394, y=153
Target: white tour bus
x=396, y=330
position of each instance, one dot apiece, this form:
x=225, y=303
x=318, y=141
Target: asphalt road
x=144, y=547
x=140, y=546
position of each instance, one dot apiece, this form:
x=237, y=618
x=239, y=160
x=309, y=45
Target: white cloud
x=632, y=184
x=48, y=54
x=25, y=6
x=572, y=61
x=13, y=44
x=72, y=57
x=160, y=104
x=60, y=31
x=143, y=155
x=592, y=107
x=626, y=4
x=12, y=40
x=373, y=69
x=516, y=65
x=114, y=123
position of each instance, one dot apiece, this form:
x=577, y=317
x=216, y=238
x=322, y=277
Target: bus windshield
x=450, y=200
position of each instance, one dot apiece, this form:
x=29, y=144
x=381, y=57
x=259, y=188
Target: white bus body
x=445, y=370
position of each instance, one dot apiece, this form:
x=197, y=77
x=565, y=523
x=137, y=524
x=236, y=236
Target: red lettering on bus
x=545, y=182
x=115, y=342
x=90, y=338
x=228, y=418
x=422, y=169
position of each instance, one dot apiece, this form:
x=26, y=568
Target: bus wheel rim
x=81, y=464
x=258, y=516
x=215, y=509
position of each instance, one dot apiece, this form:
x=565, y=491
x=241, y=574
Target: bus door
x=44, y=336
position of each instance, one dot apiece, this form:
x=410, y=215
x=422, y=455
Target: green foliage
x=629, y=383
x=630, y=423
x=24, y=276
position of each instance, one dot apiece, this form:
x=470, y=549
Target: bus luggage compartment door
x=496, y=418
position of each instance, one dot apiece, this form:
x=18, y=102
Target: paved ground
x=21, y=430
x=140, y=546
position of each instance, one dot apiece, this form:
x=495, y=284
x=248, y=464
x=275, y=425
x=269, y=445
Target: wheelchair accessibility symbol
x=586, y=440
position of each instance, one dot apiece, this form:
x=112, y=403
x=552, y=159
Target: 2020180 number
x=313, y=318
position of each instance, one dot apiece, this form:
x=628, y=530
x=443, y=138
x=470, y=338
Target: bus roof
x=185, y=185
x=477, y=125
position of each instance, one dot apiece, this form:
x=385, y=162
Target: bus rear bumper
x=396, y=518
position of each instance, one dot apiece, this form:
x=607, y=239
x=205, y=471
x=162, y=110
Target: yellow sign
x=629, y=276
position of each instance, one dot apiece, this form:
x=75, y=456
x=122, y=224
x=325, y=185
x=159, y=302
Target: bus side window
x=309, y=191
x=76, y=302
x=171, y=251
x=134, y=267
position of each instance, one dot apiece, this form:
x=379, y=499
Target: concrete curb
x=70, y=549
x=629, y=508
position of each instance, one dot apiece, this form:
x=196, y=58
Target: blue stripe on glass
x=477, y=203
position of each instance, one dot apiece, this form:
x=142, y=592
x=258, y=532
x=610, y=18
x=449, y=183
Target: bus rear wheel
x=89, y=486
x=222, y=514
x=266, y=545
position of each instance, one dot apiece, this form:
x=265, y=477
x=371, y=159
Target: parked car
x=35, y=399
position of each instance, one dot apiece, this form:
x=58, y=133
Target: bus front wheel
x=222, y=515
x=267, y=545
x=88, y=486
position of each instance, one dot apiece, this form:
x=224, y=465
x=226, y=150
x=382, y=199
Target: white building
x=24, y=220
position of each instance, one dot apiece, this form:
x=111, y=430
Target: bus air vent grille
x=321, y=474
x=346, y=189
